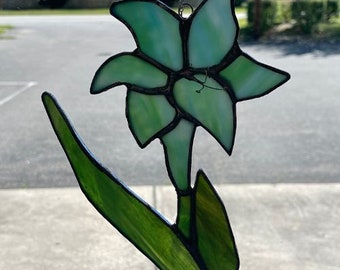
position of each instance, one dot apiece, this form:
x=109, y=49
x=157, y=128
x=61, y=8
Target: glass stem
x=185, y=214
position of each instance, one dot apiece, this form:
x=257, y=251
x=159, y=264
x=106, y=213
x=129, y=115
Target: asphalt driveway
x=290, y=136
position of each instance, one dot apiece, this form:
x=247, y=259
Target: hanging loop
x=182, y=5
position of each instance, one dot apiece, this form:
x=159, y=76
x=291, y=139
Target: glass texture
x=130, y=215
x=210, y=105
x=177, y=147
x=214, y=235
x=156, y=31
x=117, y=70
x=147, y=115
x=184, y=215
x=250, y=79
x=209, y=42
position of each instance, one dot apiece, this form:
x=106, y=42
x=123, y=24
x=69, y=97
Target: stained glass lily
x=185, y=72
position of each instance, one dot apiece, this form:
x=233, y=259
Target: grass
x=4, y=28
x=38, y=12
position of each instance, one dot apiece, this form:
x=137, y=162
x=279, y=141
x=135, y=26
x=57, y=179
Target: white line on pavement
x=24, y=87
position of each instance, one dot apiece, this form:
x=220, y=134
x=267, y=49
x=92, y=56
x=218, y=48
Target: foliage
x=328, y=30
x=308, y=14
x=239, y=3
x=283, y=12
x=150, y=232
x=304, y=14
x=267, y=16
x=53, y=3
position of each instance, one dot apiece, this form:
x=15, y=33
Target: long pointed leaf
x=215, y=239
x=135, y=219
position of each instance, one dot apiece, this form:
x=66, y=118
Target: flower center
x=191, y=86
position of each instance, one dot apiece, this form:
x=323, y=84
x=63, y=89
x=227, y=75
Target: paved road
x=291, y=135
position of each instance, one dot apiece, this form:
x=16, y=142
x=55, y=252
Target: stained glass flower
x=185, y=73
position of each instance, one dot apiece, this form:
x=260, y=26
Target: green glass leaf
x=210, y=105
x=212, y=34
x=215, y=239
x=155, y=28
x=147, y=115
x=127, y=69
x=250, y=79
x=136, y=220
x=177, y=148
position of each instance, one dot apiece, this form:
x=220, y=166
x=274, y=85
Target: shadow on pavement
x=300, y=47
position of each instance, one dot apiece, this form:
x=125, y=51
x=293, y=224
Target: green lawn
x=4, y=28
x=54, y=12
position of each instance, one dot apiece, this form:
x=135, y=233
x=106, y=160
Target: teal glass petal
x=215, y=239
x=250, y=79
x=129, y=214
x=177, y=147
x=127, y=69
x=155, y=28
x=148, y=115
x=210, y=105
x=212, y=34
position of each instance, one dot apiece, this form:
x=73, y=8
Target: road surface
x=291, y=135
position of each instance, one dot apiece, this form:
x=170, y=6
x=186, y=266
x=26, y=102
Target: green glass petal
x=250, y=79
x=215, y=239
x=135, y=219
x=177, y=148
x=147, y=115
x=155, y=28
x=210, y=105
x=212, y=33
x=127, y=69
